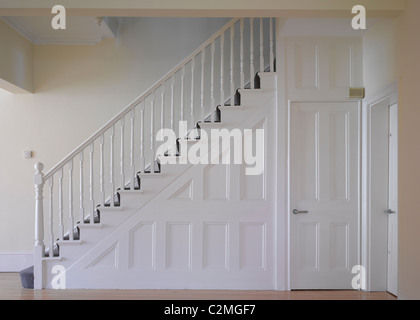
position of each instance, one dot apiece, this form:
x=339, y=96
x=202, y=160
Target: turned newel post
x=39, y=226
x=39, y=211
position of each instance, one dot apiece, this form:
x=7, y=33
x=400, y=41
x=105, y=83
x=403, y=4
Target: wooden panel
x=309, y=155
x=108, y=259
x=252, y=245
x=142, y=246
x=306, y=65
x=253, y=186
x=341, y=63
x=216, y=182
x=184, y=193
x=339, y=245
x=178, y=245
x=215, y=245
x=308, y=245
x=339, y=155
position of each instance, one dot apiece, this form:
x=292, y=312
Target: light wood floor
x=11, y=289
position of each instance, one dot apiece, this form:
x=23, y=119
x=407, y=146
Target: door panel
x=324, y=181
x=392, y=274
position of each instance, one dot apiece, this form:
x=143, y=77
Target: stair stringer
x=122, y=260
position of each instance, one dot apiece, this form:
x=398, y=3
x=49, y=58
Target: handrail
x=137, y=101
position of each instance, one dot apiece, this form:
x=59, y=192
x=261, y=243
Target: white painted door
x=392, y=274
x=324, y=191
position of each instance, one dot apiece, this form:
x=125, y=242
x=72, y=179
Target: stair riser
x=253, y=98
x=268, y=80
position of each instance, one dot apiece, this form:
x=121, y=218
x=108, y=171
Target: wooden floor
x=11, y=289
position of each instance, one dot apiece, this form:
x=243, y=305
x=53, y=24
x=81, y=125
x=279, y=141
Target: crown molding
x=49, y=40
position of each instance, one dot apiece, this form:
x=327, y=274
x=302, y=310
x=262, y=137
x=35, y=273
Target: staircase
x=148, y=216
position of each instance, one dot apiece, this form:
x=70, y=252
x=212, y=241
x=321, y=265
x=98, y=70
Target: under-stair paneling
x=107, y=260
x=178, y=245
x=143, y=246
x=216, y=245
x=216, y=182
x=253, y=187
x=196, y=226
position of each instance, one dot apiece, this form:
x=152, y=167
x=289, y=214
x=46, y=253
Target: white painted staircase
x=119, y=212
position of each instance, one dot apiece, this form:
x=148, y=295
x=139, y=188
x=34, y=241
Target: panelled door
x=392, y=270
x=324, y=194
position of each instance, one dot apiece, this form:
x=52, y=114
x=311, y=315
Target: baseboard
x=15, y=262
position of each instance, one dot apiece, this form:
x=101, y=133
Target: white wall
x=77, y=89
x=379, y=56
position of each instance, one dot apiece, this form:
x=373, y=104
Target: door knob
x=389, y=211
x=296, y=211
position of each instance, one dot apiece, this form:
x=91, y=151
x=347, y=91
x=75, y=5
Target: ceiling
x=80, y=30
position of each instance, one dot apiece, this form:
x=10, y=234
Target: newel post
x=39, y=225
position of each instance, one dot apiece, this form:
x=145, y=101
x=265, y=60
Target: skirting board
x=15, y=262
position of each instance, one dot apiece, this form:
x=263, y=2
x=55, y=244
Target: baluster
x=111, y=168
x=101, y=173
x=122, y=171
x=261, y=46
x=142, y=138
x=71, y=217
x=132, y=167
x=203, y=57
x=222, y=47
x=82, y=209
x=232, y=61
x=51, y=247
x=271, y=46
x=251, y=55
x=172, y=102
x=91, y=184
x=152, y=130
x=152, y=134
x=212, y=101
x=60, y=203
x=192, y=91
x=182, y=92
x=241, y=25
x=162, y=112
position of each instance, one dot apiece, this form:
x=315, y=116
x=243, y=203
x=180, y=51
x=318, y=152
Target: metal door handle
x=389, y=211
x=296, y=211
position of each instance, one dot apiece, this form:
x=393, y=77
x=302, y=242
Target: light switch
x=27, y=154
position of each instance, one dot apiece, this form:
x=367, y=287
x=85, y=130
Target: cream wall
x=77, y=89
x=391, y=54
x=409, y=151
x=16, y=66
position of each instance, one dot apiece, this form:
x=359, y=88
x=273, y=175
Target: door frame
x=289, y=193
x=389, y=95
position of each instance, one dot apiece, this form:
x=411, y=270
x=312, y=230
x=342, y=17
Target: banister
x=138, y=100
